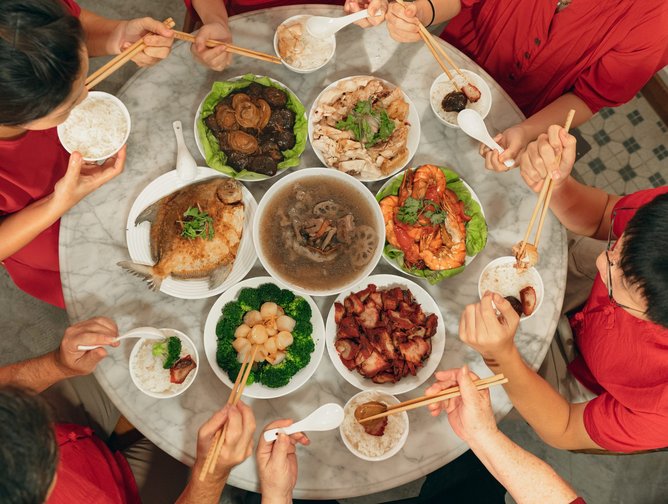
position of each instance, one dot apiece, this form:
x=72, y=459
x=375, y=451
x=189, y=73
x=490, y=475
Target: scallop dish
x=319, y=234
x=251, y=126
x=360, y=126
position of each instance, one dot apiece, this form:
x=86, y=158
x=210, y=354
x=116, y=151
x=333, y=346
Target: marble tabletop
x=92, y=241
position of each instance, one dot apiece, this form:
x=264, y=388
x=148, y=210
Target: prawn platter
x=287, y=328
x=434, y=223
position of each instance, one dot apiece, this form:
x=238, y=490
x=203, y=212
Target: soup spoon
x=186, y=167
x=327, y=417
x=324, y=27
x=472, y=124
x=139, y=332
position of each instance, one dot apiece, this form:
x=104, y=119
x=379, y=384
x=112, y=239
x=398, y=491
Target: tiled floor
x=629, y=152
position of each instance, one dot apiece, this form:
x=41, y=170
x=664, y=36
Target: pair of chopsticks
x=219, y=438
x=543, y=203
x=114, y=64
x=443, y=395
x=241, y=51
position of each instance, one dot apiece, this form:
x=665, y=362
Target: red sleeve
x=579, y=500
x=634, y=200
x=613, y=426
x=469, y=3
x=73, y=7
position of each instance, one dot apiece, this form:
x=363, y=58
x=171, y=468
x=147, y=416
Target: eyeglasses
x=611, y=245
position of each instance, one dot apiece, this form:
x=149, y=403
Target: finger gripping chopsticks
x=241, y=51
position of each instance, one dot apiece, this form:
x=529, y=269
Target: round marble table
x=93, y=241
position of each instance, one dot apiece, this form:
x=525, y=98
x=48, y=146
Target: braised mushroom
x=247, y=114
x=242, y=142
x=275, y=97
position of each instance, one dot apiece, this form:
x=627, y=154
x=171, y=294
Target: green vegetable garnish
x=368, y=125
x=413, y=208
x=170, y=350
x=197, y=224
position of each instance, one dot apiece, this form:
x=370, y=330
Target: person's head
x=28, y=449
x=639, y=264
x=43, y=63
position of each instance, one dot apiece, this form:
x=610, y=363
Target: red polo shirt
x=234, y=7
x=603, y=51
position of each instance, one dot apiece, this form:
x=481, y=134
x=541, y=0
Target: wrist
x=423, y=12
x=116, y=37
x=481, y=439
x=276, y=499
x=58, y=364
x=500, y=358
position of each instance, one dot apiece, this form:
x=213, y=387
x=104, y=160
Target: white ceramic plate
x=138, y=237
x=407, y=383
x=413, y=133
x=392, y=262
x=257, y=390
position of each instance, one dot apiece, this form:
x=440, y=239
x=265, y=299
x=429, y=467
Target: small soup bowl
x=442, y=86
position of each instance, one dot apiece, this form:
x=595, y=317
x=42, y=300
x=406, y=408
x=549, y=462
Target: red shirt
x=623, y=359
x=238, y=6
x=603, y=51
x=89, y=472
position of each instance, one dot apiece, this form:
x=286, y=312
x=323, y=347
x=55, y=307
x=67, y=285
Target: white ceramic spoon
x=472, y=124
x=186, y=167
x=327, y=417
x=324, y=27
x=139, y=332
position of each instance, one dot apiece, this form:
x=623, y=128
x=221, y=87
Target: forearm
x=36, y=374
x=102, y=34
x=555, y=113
x=444, y=10
x=211, y=11
x=202, y=492
x=275, y=500
x=527, y=478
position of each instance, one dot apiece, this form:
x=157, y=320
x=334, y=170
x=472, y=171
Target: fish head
x=229, y=191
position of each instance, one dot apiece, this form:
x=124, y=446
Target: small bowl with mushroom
x=446, y=102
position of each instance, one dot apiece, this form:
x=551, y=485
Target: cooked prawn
x=429, y=182
x=388, y=207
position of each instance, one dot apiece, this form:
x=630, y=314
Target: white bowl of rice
x=366, y=446
x=97, y=128
x=443, y=85
x=147, y=372
x=300, y=51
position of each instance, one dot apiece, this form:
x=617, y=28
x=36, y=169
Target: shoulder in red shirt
x=235, y=7
x=73, y=7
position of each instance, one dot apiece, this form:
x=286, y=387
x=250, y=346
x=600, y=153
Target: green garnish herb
x=413, y=209
x=196, y=224
x=368, y=125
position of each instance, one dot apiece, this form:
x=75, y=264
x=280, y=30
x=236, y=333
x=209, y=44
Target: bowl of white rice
x=147, y=371
x=300, y=51
x=443, y=85
x=366, y=446
x=501, y=276
x=97, y=128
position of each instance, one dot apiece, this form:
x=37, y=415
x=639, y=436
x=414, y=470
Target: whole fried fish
x=181, y=257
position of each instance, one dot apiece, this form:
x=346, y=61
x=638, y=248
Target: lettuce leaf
x=216, y=158
x=476, y=228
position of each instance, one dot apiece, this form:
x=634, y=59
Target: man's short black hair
x=40, y=58
x=28, y=449
x=644, y=256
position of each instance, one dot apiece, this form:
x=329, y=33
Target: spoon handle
x=272, y=434
x=139, y=332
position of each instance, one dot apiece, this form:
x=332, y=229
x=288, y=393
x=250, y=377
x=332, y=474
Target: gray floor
x=629, y=152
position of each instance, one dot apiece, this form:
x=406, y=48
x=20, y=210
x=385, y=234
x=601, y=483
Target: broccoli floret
x=278, y=375
x=300, y=355
x=170, y=350
x=226, y=357
x=233, y=312
x=249, y=299
x=269, y=292
x=299, y=309
x=225, y=328
x=303, y=329
x=285, y=297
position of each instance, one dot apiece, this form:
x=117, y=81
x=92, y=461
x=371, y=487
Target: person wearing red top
x=622, y=331
x=549, y=56
x=44, y=50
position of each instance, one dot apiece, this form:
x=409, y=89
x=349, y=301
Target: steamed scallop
x=258, y=334
x=242, y=331
x=269, y=310
x=283, y=340
x=270, y=346
x=253, y=318
x=285, y=323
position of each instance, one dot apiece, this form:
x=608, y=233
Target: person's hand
x=469, y=415
x=158, y=41
x=374, y=6
x=403, y=22
x=513, y=140
x=96, y=331
x=540, y=158
x=490, y=333
x=81, y=178
x=216, y=58
x=277, y=463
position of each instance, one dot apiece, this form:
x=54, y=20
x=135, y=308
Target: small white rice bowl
x=310, y=53
x=366, y=446
x=147, y=372
x=501, y=276
x=442, y=86
x=97, y=128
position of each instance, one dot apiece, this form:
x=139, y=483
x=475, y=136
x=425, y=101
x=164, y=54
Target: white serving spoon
x=327, y=417
x=472, y=124
x=324, y=27
x=186, y=167
x=139, y=332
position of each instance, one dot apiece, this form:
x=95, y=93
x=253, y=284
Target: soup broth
x=318, y=234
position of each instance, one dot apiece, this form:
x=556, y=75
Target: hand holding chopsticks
x=230, y=48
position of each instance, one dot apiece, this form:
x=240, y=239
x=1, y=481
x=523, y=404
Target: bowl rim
x=534, y=272
x=126, y=113
x=480, y=83
x=319, y=172
x=392, y=451
x=288, y=65
x=162, y=395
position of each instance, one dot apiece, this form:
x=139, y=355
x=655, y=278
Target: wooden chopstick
x=121, y=59
x=219, y=438
x=241, y=51
x=448, y=393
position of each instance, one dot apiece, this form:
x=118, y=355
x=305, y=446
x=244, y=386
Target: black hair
x=644, y=256
x=40, y=58
x=28, y=448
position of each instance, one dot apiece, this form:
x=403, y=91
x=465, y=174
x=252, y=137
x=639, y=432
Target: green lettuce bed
x=476, y=228
x=216, y=158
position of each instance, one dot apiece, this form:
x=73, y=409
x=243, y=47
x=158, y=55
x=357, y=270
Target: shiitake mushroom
x=275, y=97
x=238, y=160
x=285, y=140
x=454, y=102
x=262, y=164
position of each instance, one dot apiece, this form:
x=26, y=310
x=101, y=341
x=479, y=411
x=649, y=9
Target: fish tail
x=144, y=272
x=218, y=276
